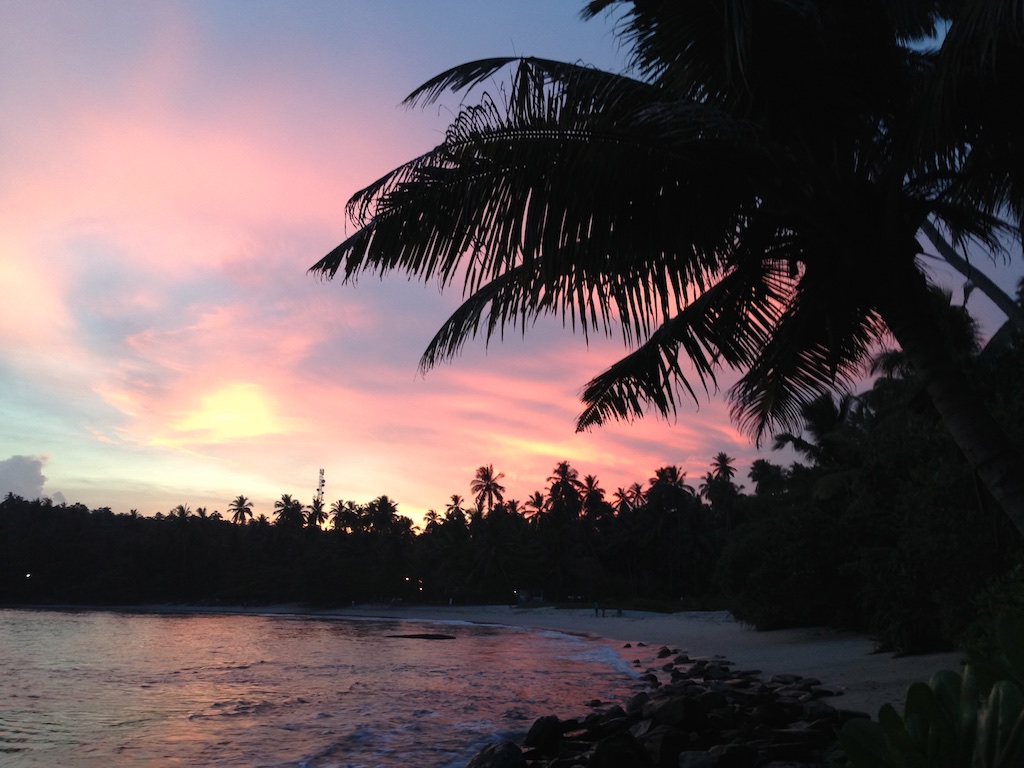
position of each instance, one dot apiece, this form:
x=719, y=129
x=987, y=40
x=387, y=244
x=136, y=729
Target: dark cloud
x=23, y=476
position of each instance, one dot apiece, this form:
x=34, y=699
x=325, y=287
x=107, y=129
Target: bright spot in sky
x=233, y=412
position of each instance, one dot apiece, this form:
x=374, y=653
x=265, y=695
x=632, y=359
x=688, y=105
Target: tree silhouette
x=564, y=491
x=240, y=509
x=486, y=487
x=316, y=513
x=751, y=199
x=289, y=512
x=453, y=510
x=536, y=505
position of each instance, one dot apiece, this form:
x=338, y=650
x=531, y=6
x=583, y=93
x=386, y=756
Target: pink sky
x=168, y=173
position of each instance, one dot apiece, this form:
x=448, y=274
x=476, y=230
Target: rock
x=785, y=679
x=619, y=751
x=545, y=734
x=709, y=700
x=635, y=706
x=734, y=756
x=613, y=713
x=708, y=716
x=694, y=760
x=816, y=709
x=664, y=744
x=679, y=711
x=505, y=755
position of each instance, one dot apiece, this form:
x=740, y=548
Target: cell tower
x=320, y=489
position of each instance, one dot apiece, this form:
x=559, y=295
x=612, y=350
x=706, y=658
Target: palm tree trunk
x=976, y=277
x=903, y=305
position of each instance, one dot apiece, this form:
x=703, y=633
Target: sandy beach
x=842, y=661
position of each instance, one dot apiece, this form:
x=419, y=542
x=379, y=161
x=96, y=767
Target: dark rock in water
x=664, y=652
x=694, y=759
x=425, y=636
x=506, y=755
x=635, y=706
x=614, y=712
x=679, y=711
x=664, y=745
x=734, y=756
x=708, y=716
x=545, y=734
x=618, y=751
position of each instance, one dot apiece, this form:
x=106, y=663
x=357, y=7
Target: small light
x=28, y=575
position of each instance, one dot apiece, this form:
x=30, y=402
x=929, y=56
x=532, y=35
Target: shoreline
x=844, y=662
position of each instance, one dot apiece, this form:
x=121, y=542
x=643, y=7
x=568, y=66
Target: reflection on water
x=104, y=688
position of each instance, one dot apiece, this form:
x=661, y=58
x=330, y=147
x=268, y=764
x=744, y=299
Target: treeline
x=878, y=527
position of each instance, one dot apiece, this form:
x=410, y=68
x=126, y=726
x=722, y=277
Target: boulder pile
x=692, y=713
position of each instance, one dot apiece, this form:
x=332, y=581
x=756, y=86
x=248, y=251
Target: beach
x=844, y=662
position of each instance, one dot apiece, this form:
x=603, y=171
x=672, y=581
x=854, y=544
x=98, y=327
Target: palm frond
x=616, y=212
x=728, y=324
x=509, y=301
x=819, y=346
x=969, y=113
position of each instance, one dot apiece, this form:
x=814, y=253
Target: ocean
x=110, y=688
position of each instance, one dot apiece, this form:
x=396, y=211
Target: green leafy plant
x=956, y=720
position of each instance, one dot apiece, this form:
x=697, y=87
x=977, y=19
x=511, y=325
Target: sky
x=169, y=172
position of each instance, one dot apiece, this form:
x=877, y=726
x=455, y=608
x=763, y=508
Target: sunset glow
x=170, y=173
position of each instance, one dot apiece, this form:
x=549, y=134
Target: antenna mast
x=320, y=489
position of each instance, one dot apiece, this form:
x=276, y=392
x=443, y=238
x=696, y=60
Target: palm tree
x=240, y=509
x=453, y=511
x=535, y=506
x=382, y=515
x=564, y=493
x=622, y=501
x=593, y=493
x=289, y=512
x=768, y=479
x=344, y=515
x=751, y=199
x=486, y=487
x=316, y=513
x=722, y=468
x=719, y=489
x=671, y=476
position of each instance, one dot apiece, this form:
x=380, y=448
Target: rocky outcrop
x=693, y=713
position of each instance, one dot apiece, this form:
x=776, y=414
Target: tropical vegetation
x=749, y=195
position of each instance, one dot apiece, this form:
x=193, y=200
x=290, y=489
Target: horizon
x=171, y=173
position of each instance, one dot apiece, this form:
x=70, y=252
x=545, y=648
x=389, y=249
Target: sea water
x=102, y=688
